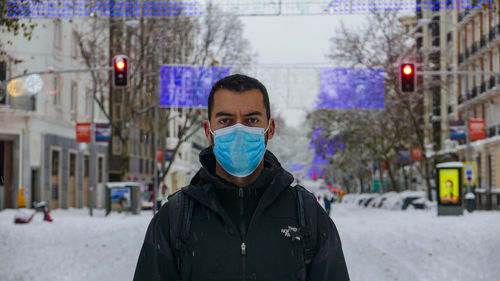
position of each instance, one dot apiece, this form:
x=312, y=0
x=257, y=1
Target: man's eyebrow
x=218, y=114
x=253, y=113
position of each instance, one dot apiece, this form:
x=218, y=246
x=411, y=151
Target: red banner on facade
x=477, y=129
x=416, y=153
x=159, y=156
x=83, y=132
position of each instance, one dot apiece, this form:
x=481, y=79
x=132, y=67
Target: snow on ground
x=418, y=245
x=73, y=247
x=378, y=244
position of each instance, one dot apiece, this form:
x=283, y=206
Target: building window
x=57, y=33
x=74, y=96
x=55, y=163
x=57, y=86
x=3, y=77
x=76, y=45
x=100, y=169
x=72, y=164
x=86, y=167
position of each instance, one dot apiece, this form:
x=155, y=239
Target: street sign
x=470, y=173
x=83, y=132
x=102, y=132
x=477, y=129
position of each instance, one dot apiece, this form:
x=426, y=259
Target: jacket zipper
x=243, y=260
x=243, y=234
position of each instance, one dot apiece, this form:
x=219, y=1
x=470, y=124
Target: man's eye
x=223, y=121
x=253, y=120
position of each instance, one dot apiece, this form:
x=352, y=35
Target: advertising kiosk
x=449, y=188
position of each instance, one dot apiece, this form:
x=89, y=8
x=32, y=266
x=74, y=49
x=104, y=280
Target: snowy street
x=378, y=245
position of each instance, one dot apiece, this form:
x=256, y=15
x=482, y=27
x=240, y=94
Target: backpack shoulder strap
x=304, y=226
x=180, y=214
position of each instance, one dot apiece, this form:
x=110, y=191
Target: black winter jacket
x=253, y=244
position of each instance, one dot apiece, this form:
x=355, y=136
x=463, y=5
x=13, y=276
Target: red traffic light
x=407, y=77
x=120, y=71
x=407, y=70
x=120, y=64
x=335, y=189
x=329, y=186
x=315, y=176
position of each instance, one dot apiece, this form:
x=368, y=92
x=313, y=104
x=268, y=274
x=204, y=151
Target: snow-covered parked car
x=407, y=199
x=379, y=201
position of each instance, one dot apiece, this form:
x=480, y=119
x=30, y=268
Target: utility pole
x=155, y=137
x=93, y=180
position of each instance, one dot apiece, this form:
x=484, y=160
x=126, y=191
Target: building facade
x=477, y=38
x=38, y=150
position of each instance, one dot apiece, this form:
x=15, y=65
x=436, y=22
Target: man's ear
x=206, y=127
x=270, y=131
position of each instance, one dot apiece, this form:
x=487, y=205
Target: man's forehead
x=243, y=102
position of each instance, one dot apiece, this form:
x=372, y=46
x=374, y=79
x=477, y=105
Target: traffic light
x=120, y=71
x=329, y=186
x=407, y=77
x=335, y=190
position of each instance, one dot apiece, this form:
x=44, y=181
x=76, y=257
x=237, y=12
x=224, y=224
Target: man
x=240, y=218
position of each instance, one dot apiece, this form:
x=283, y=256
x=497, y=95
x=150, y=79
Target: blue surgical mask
x=239, y=149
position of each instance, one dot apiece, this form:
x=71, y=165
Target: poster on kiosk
x=449, y=189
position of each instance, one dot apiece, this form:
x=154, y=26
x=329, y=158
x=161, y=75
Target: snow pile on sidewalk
x=73, y=247
x=385, y=245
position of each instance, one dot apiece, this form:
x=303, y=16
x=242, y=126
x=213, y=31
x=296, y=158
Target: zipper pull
x=243, y=249
x=240, y=194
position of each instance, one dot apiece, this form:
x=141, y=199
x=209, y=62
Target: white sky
x=294, y=41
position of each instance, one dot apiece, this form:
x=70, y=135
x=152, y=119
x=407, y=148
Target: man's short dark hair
x=239, y=83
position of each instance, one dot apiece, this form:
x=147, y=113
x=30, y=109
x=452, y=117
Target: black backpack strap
x=180, y=214
x=306, y=229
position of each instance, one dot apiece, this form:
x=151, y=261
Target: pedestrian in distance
x=327, y=201
x=240, y=218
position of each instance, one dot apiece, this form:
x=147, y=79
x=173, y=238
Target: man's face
x=246, y=108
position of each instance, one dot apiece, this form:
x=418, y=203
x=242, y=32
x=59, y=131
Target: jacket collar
x=203, y=183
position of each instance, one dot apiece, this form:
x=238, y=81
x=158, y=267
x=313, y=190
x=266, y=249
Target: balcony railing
x=492, y=82
x=483, y=88
x=436, y=111
x=473, y=48
x=482, y=41
x=492, y=131
x=474, y=93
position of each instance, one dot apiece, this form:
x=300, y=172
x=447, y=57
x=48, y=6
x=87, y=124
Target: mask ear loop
x=268, y=125
x=210, y=129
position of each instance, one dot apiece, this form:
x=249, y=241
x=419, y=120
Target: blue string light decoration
x=85, y=8
x=188, y=86
x=348, y=88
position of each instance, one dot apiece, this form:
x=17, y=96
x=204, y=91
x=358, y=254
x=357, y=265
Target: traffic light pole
x=155, y=137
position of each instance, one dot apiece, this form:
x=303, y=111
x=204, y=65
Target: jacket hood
x=205, y=180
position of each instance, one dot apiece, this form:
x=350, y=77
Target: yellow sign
x=449, y=185
x=470, y=173
x=21, y=200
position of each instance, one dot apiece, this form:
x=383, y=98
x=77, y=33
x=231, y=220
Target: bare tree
x=211, y=40
x=379, y=44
